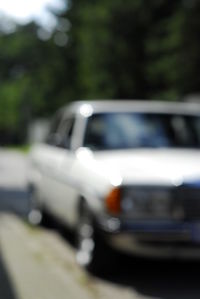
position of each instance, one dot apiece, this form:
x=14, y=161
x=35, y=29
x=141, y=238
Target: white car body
x=64, y=176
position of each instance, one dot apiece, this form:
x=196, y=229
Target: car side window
x=53, y=137
x=66, y=131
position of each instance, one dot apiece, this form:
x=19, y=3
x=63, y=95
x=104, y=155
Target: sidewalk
x=42, y=266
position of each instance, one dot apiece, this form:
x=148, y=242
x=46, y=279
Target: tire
x=92, y=251
x=35, y=214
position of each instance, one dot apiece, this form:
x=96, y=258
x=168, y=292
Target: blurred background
x=53, y=52
x=56, y=51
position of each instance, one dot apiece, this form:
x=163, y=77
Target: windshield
x=108, y=131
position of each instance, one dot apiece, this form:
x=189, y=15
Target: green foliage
x=128, y=50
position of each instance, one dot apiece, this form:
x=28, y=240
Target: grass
x=23, y=148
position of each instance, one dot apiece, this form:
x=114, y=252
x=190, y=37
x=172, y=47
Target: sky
x=23, y=11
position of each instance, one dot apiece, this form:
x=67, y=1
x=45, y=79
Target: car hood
x=150, y=166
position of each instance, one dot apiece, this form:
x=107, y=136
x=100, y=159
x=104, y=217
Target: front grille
x=187, y=199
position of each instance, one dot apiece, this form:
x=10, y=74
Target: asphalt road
x=39, y=262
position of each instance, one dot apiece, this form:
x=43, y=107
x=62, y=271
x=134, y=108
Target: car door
x=51, y=159
x=64, y=186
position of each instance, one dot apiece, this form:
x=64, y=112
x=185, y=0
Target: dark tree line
x=99, y=50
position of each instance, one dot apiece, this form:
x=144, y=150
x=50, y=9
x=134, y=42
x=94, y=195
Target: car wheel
x=90, y=245
x=35, y=214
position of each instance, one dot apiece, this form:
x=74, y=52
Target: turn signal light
x=113, y=201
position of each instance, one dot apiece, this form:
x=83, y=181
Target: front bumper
x=153, y=238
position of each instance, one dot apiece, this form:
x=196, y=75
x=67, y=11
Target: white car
x=123, y=173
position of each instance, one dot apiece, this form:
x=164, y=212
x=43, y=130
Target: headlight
x=139, y=203
x=146, y=203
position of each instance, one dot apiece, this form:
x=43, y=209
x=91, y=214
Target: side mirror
x=54, y=139
x=57, y=140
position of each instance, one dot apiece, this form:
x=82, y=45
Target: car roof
x=147, y=106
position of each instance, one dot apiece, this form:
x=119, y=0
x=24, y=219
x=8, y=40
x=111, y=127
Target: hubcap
x=34, y=215
x=86, y=242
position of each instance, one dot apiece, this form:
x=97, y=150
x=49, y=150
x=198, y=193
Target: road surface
x=39, y=263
